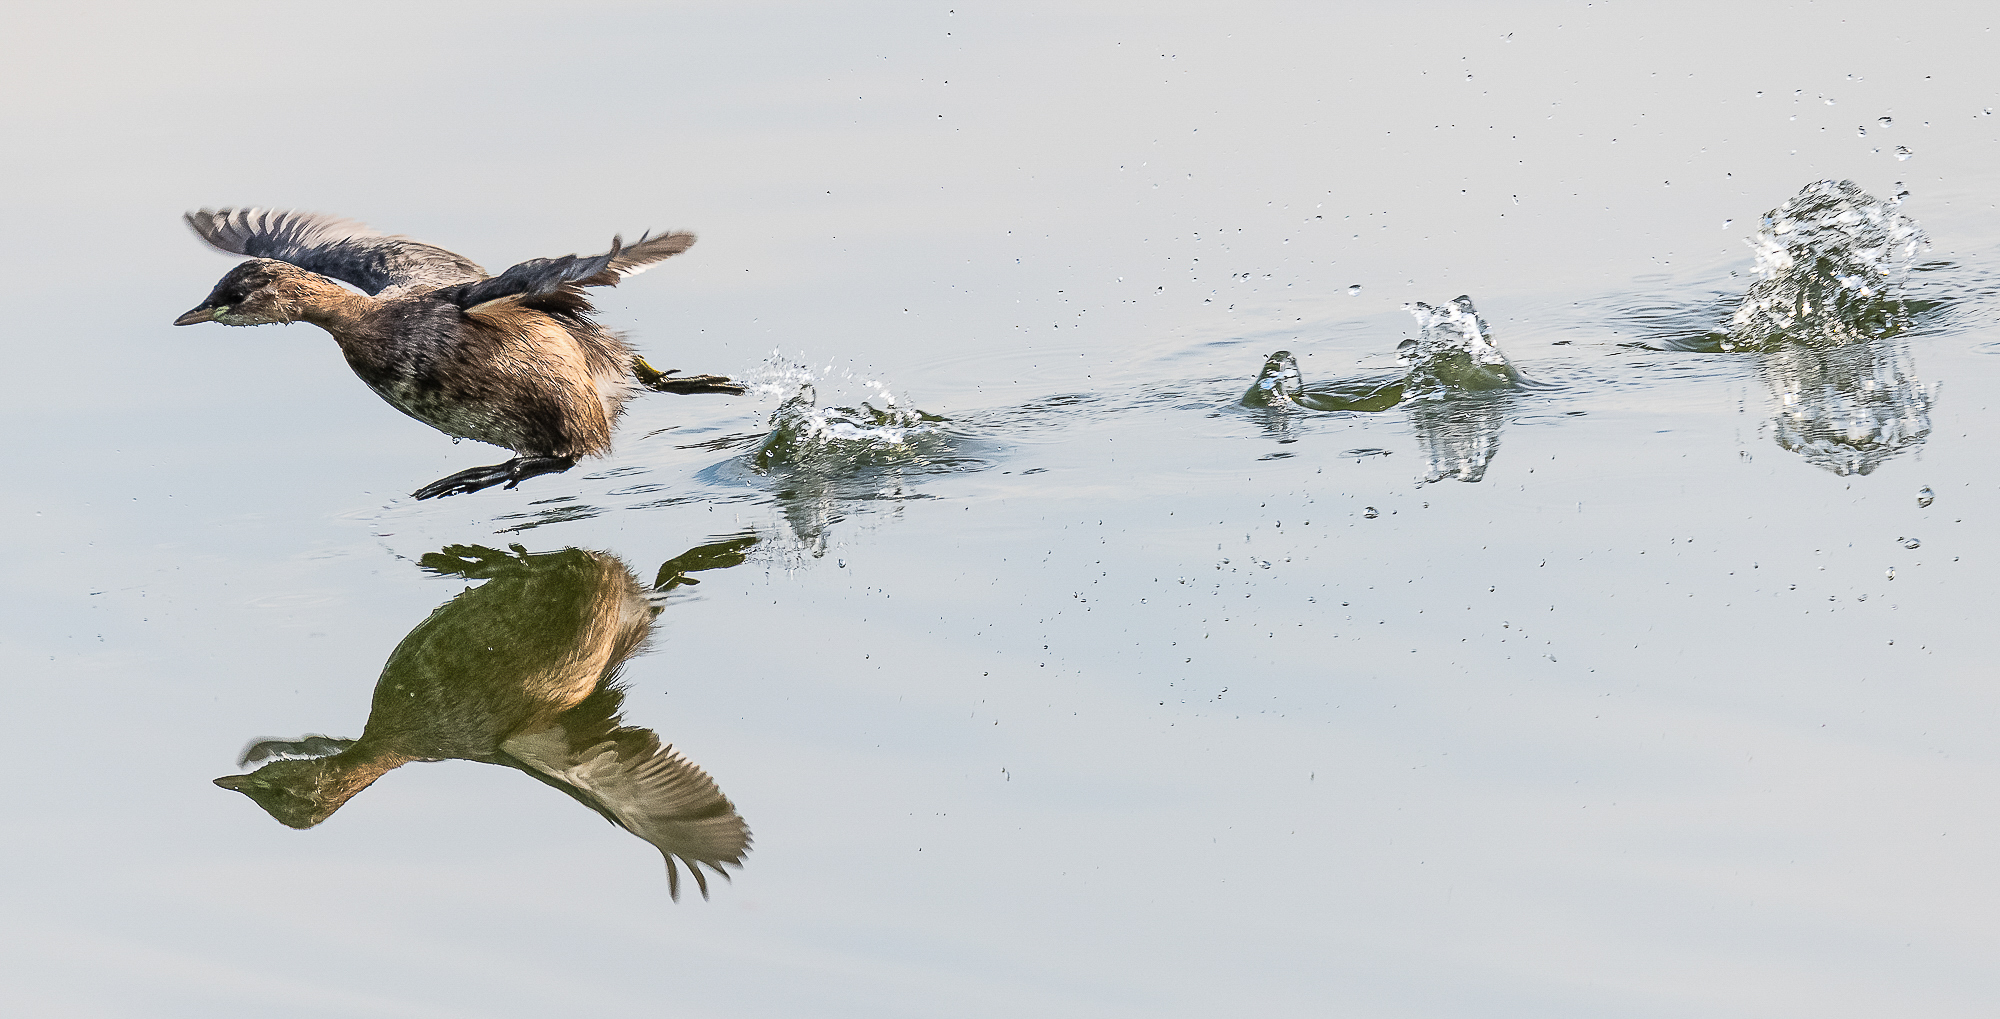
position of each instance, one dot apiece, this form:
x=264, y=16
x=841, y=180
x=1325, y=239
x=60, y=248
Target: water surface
x=1055, y=679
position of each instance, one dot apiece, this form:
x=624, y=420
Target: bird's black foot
x=668, y=382
x=513, y=472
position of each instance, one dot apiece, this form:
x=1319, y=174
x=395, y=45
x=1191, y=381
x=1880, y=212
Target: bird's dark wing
x=331, y=246
x=633, y=259
x=624, y=773
x=539, y=281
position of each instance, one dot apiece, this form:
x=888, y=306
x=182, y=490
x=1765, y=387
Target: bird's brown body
x=514, y=360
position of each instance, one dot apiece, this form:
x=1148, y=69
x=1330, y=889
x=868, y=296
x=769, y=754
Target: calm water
x=1649, y=687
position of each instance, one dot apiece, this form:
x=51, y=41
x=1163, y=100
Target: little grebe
x=514, y=360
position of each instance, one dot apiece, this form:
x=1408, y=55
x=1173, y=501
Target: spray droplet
x=1903, y=152
x=1884, y=121
x=1924, y=497
x=1862, y=131
x=1911, y=543
x=1355, y=289
x=1890, y=573
x=1369, y=513
x=1727, y=223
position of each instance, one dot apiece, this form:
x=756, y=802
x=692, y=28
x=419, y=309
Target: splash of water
x=805, y=435
x=820, y=462
x=1830, y=266
x=1281, y=385
x=1455, y=352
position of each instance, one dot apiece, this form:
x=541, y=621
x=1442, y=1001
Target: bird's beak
x=201, y=314
x=228, y=781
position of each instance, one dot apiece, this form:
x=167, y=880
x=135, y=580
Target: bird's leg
x=513, y=472
x=658, y=381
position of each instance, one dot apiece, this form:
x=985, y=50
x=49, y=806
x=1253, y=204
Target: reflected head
x=297, y=793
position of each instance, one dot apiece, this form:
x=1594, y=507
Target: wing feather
x=636, y=258
x=331, y=246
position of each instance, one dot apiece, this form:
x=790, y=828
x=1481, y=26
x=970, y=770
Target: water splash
x=833, y=439
x=818, y=461
x=1281, y=385
x=1830, y=262
x=1455, y=352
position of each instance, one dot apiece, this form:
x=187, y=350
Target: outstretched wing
x=548, y=283
x=552, y=284
x=638, y=257
x=647, y=789
x=331, y=246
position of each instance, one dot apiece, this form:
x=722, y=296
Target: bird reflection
x=522, y=671
x=1848, y=409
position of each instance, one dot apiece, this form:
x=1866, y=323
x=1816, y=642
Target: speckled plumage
x=515, y=360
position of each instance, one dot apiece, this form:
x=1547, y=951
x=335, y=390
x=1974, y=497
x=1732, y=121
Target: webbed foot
x=512, y=473
x=661, y=382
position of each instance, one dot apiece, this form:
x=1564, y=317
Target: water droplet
x=1861, y=131
x=1924, y=497
x=1860, y=597
x=1726, y=223
x=1369, y=513
x=1884, y=121
x=1355, y=289
x=842, y=563
x=1829, y=100
x=455, y=440
x=1890, y=573
x=1903, y=152
x=1911, y=543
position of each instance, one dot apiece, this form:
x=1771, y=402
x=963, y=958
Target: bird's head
x=258, y=292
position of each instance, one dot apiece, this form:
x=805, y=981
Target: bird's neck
x=328, y=305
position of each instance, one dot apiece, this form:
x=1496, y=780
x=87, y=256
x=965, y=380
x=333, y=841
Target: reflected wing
x=331, y=246
x=625, y=774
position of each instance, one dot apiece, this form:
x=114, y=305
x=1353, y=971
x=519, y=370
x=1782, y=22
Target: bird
x=522, y=672
x=516, y=360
